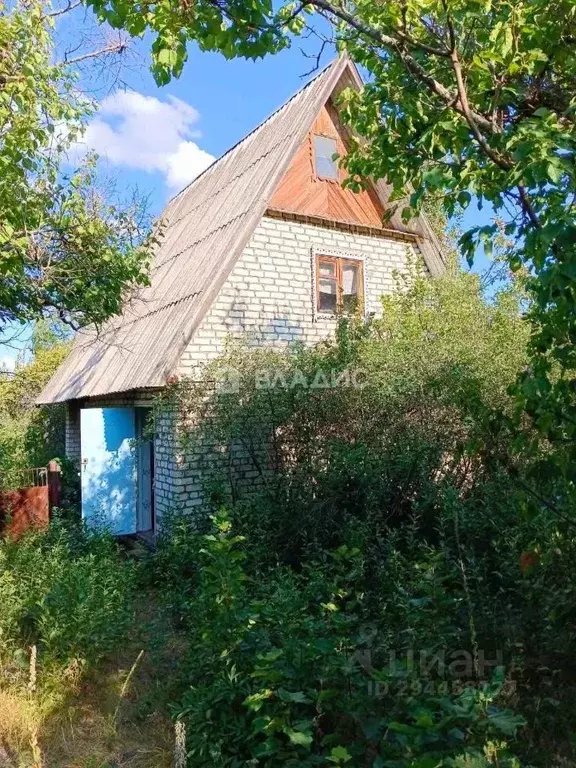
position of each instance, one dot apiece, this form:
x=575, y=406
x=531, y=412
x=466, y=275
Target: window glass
x=349, y=287
x=350, y=278
x=324, y=149
x=327, y=295
x=327, y=269
x=339, y=284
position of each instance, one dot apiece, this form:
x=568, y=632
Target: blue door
x=109, y=468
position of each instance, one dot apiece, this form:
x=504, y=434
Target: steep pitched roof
x=207, y=226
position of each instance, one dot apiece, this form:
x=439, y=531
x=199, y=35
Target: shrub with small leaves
x=67, y=591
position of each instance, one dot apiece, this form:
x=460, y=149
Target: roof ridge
x=256, y=128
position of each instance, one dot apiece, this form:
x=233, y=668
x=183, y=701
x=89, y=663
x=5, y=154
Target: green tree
x=465, y=98
x=65, y=250
x=31, y=436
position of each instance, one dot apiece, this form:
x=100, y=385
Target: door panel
x=109, y=468
x=145, y=521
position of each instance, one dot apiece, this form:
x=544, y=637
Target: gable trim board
x=343, y=226
x=208, y=225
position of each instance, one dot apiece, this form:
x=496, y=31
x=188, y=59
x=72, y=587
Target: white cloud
x=144, y=133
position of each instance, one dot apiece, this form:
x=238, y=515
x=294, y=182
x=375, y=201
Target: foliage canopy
x=64, y=249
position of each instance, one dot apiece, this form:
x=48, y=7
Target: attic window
x=324, y=150
x=339, y=285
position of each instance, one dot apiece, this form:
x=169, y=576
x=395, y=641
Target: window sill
x=326, y=316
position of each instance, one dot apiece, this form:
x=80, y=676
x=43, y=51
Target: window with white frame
x=326, y=167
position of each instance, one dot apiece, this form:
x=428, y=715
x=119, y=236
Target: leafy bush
x=65, y=590
x=430, y=412
x=172, y=571
x=30, y=436
x=275, y=680
x=424, y=471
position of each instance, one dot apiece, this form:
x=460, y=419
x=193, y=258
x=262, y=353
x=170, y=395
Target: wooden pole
x=53, y=485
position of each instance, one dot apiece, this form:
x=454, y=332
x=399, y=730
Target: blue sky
x=158, y=139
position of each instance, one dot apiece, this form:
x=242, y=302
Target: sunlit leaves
x=63, y=248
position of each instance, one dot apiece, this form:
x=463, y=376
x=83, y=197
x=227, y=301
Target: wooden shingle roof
x=207, y=226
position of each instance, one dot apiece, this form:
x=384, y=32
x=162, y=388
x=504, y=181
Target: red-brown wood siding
x=300, y=191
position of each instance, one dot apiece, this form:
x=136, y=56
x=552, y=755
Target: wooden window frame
x=316, y=174
x=338, y=262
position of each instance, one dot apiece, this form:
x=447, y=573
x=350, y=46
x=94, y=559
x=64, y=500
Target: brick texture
x=72, y=434
x=269, y=295
x=268, y=299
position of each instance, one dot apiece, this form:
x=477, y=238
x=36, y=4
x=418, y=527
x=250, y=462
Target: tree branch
x=470, y=116
x=70, y=6
x=450, y=98
x=496, y=158
x=501, y=162
x=119, y=47
x=527, y=207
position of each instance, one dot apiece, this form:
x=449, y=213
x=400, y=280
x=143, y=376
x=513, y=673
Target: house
x=265, y=241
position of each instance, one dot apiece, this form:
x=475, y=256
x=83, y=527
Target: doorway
x=145, y=522
x=117, y=469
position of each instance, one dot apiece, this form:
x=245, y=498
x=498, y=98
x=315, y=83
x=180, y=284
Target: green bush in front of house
x=287, y=669
x=68, y=592
x=460, y=543
x=371, y=427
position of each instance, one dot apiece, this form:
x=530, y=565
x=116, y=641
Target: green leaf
x=299, y=738
x=167, y=57
x=464, y=198
x=506, y=722
x=555, y=172
x=296, y=697
x=255, y=701
x=339, y=756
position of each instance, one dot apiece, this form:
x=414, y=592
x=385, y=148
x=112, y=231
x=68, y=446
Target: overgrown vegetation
x=67, y=600
x=281, y=674
x=31, y=436
x=392, y=450
x=66, y=592
x=395, y=590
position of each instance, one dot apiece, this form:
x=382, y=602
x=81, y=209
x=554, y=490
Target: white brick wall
x=167, y=462
x=269, y=298
x=269, y=294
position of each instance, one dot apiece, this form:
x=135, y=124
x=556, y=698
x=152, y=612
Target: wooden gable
x=301, y=191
